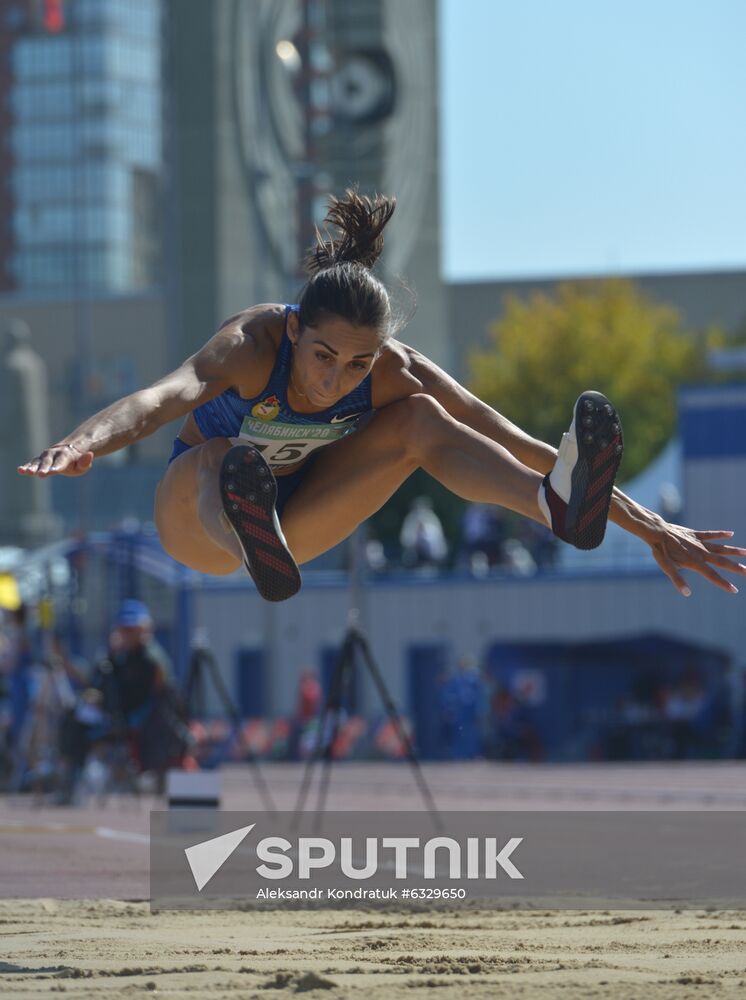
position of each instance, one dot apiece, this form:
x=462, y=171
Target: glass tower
x=82, y=146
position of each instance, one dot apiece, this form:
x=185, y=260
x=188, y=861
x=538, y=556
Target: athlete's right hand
x=59, y=460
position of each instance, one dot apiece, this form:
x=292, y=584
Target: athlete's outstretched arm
x=201, y=377
x=674, y=546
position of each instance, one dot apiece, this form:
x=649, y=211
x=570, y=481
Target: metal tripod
x=355, y=642
x=203, y=668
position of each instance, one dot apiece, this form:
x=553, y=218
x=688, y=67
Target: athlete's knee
x=214, y=563
x=421, y=418
x=211, y=453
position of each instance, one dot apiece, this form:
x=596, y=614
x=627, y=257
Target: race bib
x=285, y=444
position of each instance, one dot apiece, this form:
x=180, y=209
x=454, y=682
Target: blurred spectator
x=59, y=688
x=17, y=664
x=46, y=686
x=516, y=734
x=518, y=559
x=83, y=727
x=51, y=696
x=495, y=538
x=375, y=556
x=679, y=720
x=685, y=709
x=309, y=695
x=307, y=710
x=462, y=708
x=735, y=745
x=671, y=505
x=483, y=529
x=421, y=537
x=539, y=540
x=137, y=694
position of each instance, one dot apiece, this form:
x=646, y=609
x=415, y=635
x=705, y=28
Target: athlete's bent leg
x=188, y=511
x=210, y=501
x=354, y=477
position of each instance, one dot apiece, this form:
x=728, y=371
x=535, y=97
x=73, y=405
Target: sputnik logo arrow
x=207, y=858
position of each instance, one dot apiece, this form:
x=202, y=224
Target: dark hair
x=342, y=283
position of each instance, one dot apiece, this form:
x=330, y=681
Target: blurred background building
x=81, y=254
x=166, y=163
x=86, y=157
x=294, y=100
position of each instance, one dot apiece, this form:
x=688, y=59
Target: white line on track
x=106, y=832
x=130, y=837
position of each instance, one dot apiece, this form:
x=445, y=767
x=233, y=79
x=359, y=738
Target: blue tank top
x=283, y=436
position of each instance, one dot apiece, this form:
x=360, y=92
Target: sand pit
x=108, y=949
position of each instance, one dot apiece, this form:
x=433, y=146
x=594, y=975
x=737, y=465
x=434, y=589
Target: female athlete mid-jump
x=302, y=420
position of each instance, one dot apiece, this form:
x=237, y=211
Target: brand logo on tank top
x=266, y=409
x=341, y=420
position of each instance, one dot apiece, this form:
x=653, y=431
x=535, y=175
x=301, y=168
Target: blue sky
x=583, y=137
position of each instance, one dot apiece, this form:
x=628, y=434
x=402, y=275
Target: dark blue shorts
x=179, y=448
x=286, y=485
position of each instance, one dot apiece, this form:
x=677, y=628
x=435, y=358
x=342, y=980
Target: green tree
x=606, y=335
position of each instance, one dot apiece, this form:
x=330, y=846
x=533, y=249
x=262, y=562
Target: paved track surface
x=101, y=850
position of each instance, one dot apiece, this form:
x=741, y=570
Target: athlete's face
x=330, y=359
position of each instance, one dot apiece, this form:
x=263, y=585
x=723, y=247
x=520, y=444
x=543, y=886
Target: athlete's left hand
x=676, y=547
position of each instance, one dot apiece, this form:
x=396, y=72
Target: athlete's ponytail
x=360, y=222
x=341, y=282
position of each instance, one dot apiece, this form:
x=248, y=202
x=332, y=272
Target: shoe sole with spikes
x=249, y=493
x=589, y=457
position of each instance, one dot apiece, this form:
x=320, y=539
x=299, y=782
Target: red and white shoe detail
x=575, y=496
x=249, y=493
